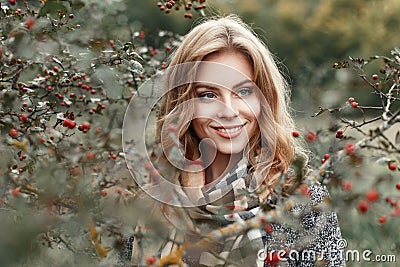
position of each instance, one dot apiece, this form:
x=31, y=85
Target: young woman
x=227, y=108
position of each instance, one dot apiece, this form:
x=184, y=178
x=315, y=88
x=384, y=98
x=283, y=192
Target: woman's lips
x=228, y=132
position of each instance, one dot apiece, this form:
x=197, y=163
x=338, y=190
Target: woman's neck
x=220, y=166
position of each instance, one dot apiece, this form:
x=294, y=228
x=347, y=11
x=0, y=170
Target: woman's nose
x=228, y=109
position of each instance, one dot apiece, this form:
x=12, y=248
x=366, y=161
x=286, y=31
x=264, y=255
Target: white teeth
x=232, y=130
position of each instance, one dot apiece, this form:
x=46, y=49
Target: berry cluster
x=340, y=134
x=197, y=5
x=353, y=103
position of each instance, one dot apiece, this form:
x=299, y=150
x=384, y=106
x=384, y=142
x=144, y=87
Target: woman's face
x=227, y=104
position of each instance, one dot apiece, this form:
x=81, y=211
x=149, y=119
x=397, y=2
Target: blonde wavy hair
x=230, y=33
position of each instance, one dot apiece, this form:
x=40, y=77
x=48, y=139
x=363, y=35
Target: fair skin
x=226, y=111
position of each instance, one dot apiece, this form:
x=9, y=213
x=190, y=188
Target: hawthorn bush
x=66, y=195
x=63, y=98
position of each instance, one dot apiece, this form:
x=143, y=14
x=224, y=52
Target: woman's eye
x=244, y=92
x=206, y=95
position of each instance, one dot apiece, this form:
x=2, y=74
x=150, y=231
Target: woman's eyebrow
x=209, y=86
x=213, y=86
x=244, y=82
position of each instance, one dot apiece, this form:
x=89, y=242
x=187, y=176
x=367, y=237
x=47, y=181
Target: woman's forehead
x=223, y=75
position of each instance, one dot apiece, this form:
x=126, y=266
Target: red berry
x=15, y=192
x=14, y=133
x=268, y=228
x=66, y=123
x=375, y=77
x=339, y=136
x=72, y=125
x=55, y=68
x=304, y=190
x=372, y=195
x=86, y=126
x=382, y=219
x=12, y=2
x=398, y=186
x=273, y=258
x=395, y=212
x=311, y=136
x=119, y=190
x=295, y=134
x=103, y=192
x=354, y=105
x=71, y=16
x=154, y=176
x=351, y=99
x=326, y=156
x=363, y=206
x=90, y=155
x=350, y=148
x=24, y=117
x=392, y=166
x=19, y=61
x=347, y=185
x=150, y=260
x=30, y=22
x=148, y=166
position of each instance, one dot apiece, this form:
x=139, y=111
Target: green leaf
x=109, y=80
x=76, y=5
x=53, y=8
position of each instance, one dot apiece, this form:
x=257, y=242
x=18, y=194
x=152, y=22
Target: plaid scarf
x=227, y=201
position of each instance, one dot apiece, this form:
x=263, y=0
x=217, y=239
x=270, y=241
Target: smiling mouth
x=229, y=132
